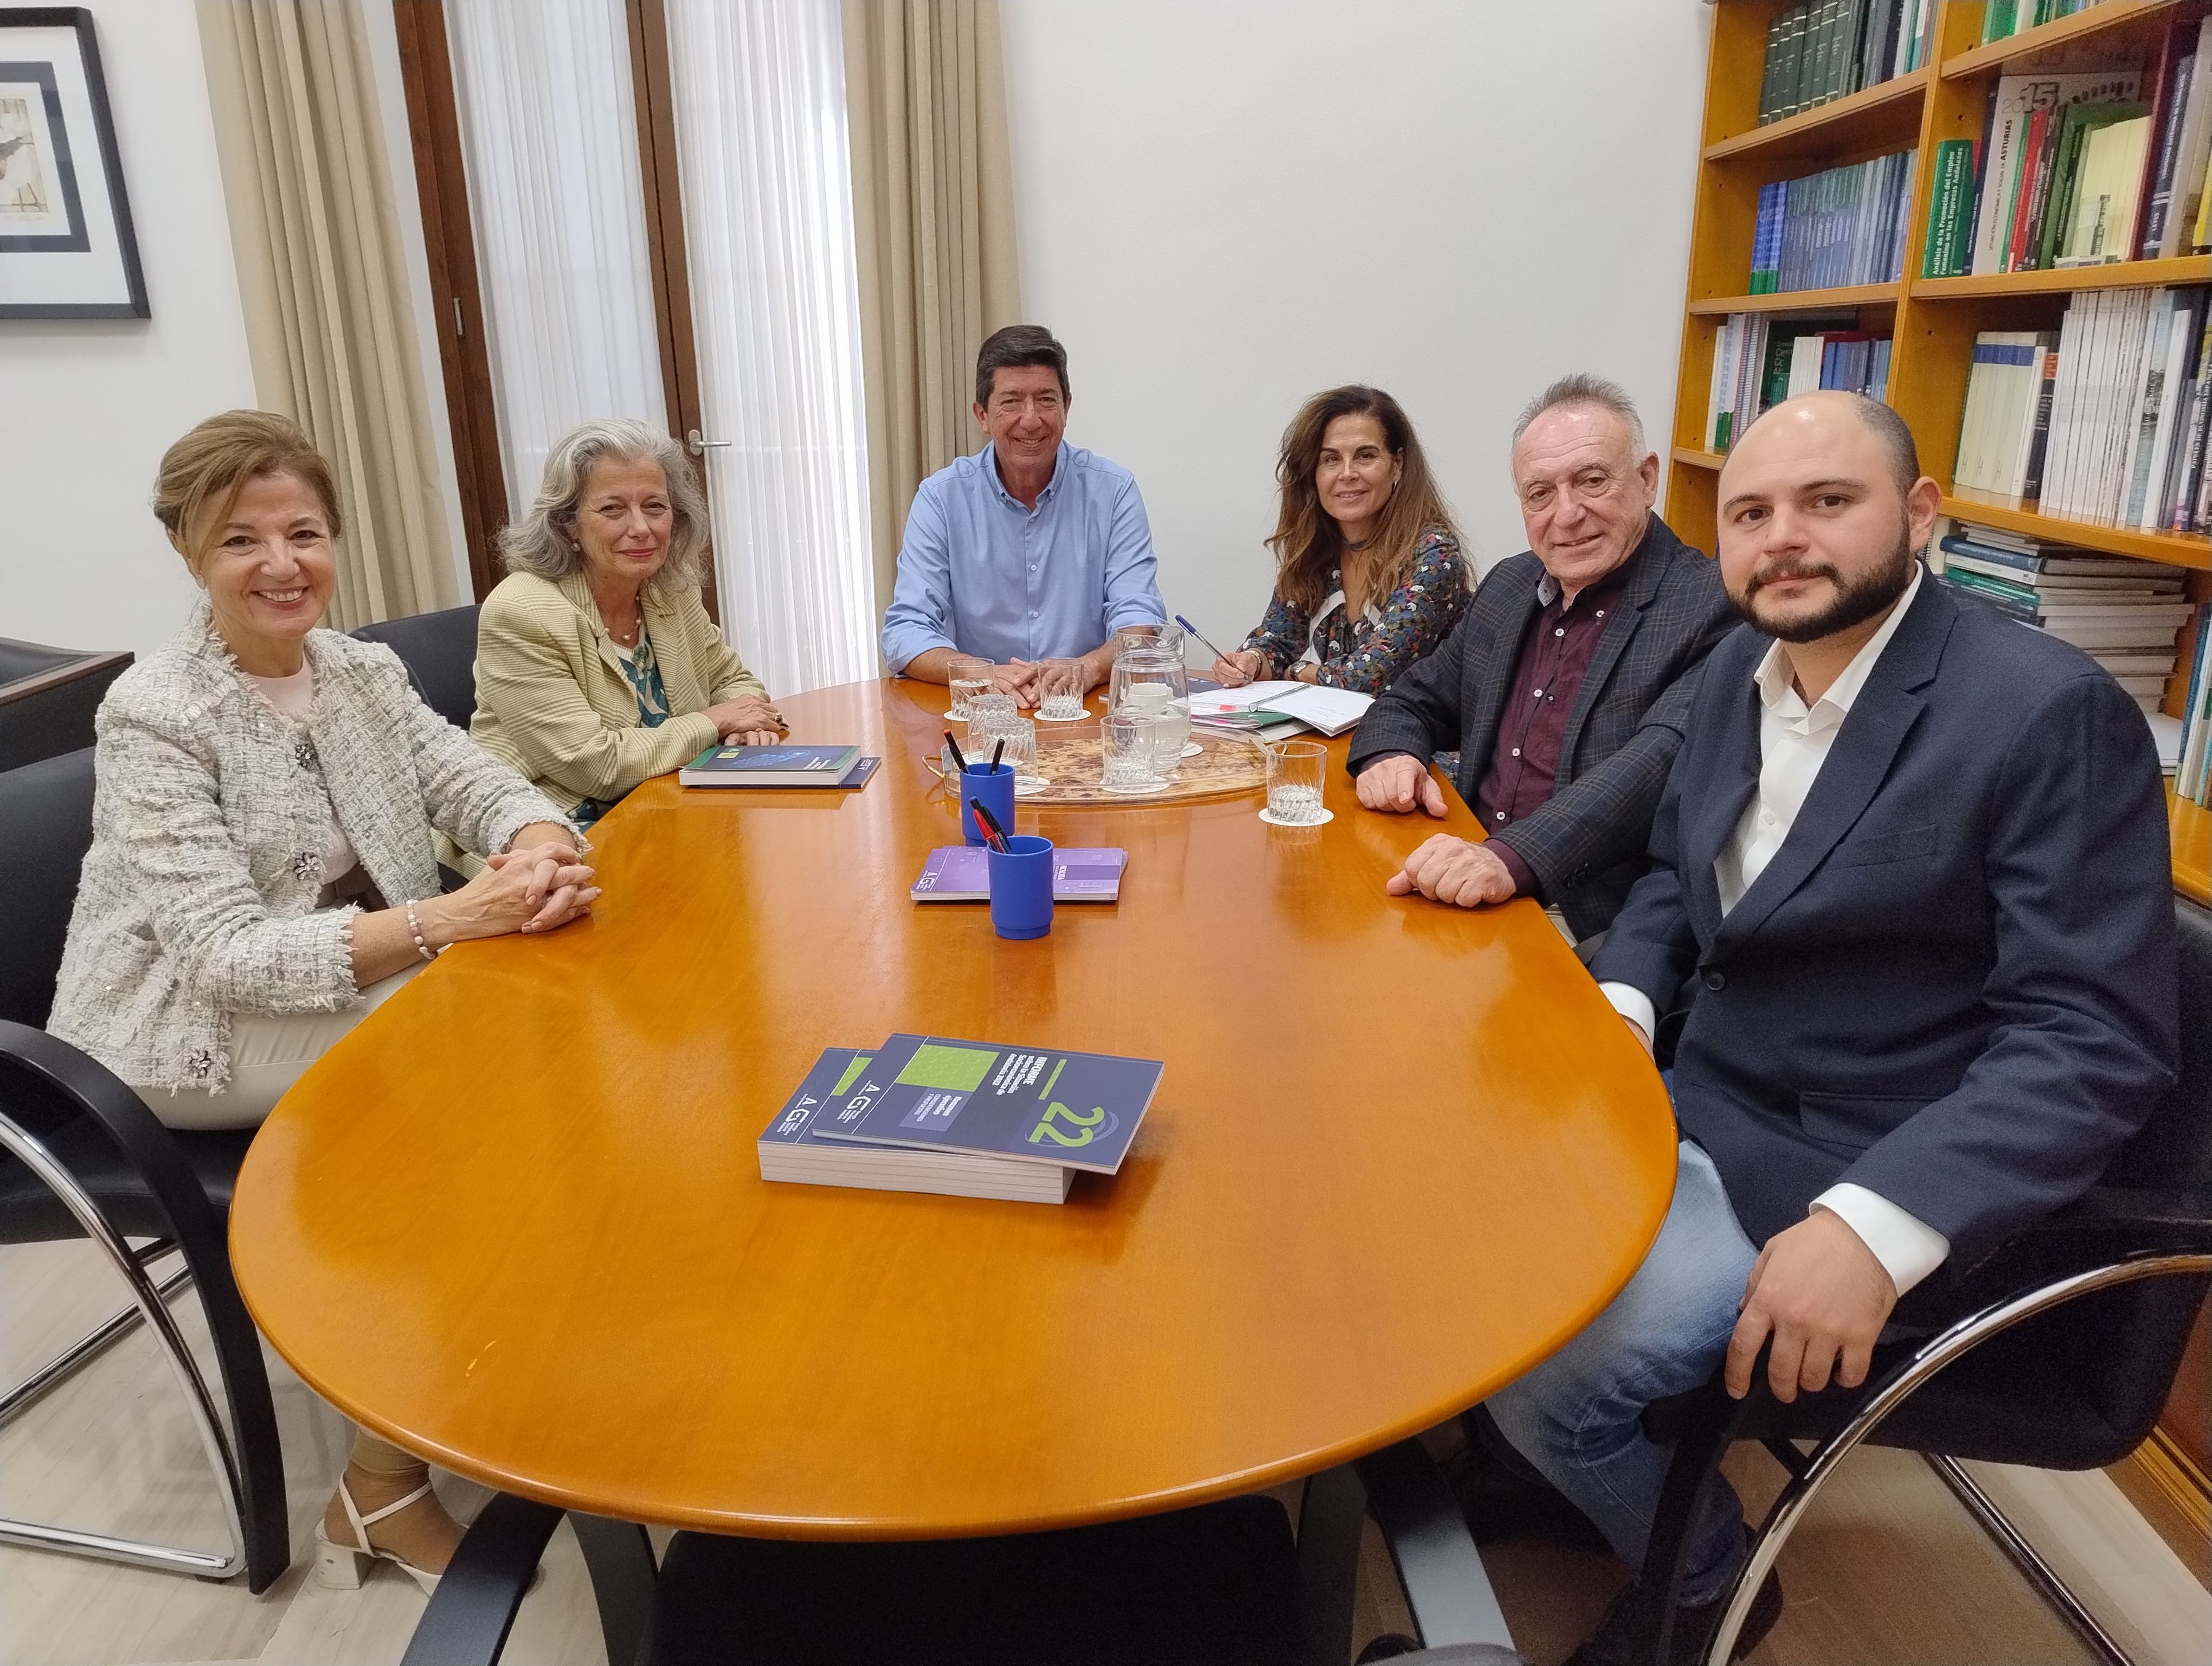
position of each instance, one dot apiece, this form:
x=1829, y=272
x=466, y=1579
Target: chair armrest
x=85, y=1084
x=1446, y=1584
x=474, y=1607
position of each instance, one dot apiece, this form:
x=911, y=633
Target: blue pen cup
x=996, y=789
x=1021, y=887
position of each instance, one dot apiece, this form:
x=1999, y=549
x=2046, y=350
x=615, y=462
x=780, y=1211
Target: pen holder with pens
x=1021, y=886
x=995, y=787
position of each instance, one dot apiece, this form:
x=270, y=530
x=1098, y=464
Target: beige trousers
x=269, y=1052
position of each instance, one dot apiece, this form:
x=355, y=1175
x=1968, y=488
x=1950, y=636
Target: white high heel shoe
x=340, y=1567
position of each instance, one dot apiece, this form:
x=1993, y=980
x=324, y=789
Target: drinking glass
x=1061, y=684
x=1021, y=738
x=1163, y=637
x=1294, y=783
x=991, y=710
x=967, y=677
x=1130, y=753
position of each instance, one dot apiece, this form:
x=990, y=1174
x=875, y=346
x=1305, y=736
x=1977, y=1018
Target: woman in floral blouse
x=1369, y=573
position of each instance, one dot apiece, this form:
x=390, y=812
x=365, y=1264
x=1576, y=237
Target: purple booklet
x=962, y=873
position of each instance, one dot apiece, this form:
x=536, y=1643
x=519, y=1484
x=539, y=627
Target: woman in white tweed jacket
x=261, y=872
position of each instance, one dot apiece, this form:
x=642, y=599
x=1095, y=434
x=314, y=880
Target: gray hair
x=1584, y=389
x=544, y=541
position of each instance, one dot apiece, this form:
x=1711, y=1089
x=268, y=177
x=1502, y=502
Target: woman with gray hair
x=597, y=665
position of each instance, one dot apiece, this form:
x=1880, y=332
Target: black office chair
x=440, y=652
x=1221, y=1584
x=2057, y=1350
x=81, y=1156
x=47, y=699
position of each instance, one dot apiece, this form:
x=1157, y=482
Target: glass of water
x=1021, y=738
x=967, y=677
x=1130, y=753
x=1061, y=684
x=1294, y=783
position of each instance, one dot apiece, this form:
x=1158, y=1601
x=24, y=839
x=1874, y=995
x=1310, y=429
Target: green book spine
x=1800, y=48
x=1940, y=258
x=1766, y=110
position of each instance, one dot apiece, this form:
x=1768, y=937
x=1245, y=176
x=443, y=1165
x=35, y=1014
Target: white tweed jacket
x=198, y=897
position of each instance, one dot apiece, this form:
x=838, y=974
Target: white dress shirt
x=1793, y=744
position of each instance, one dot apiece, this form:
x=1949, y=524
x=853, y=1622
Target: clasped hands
x=1459, y=872
x=537, y=884
x=748, y=720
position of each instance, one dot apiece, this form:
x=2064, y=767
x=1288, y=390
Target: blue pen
x=1196, y=632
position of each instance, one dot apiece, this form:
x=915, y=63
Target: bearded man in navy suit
x=1910, y=879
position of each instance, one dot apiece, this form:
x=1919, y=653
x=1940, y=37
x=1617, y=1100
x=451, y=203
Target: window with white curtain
x=549, y=134
x=759, y=98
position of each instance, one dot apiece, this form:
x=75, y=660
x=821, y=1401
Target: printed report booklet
x=1044, y=1104
x=962, y=873
x=770, y=766
x=802, y=1145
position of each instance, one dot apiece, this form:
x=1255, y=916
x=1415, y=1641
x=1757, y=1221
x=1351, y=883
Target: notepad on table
x=962, y=873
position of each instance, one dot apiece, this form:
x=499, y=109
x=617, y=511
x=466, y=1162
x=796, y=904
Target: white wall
x=1223, y=206
x=90, y=405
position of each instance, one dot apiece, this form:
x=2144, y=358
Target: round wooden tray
x=1069, y=757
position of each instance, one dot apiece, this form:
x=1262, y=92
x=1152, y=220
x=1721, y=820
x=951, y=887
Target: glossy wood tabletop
x=515, y=1222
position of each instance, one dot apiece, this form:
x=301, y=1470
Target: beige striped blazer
x=551, y=698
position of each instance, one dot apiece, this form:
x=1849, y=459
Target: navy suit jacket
x=1956, y=983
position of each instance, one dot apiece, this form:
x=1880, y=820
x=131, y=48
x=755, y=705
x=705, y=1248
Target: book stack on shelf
x=1760, y=362
x=2192, y=772
x=2002, y=19
x=2122, y=612
x=1824, y=50
x=1829, y=230
x=2082, y=169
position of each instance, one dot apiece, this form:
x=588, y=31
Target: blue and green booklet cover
x=769, y=766
x=1044, y=1104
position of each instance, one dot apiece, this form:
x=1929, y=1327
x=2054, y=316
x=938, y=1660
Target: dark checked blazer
x=1586, y=847
x=1955, y=982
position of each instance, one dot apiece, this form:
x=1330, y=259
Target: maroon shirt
x=1555, y=655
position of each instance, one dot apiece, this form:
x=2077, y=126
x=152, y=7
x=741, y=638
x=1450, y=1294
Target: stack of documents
x=1260, y=705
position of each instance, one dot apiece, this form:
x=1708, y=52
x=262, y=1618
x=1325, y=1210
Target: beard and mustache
x=1855, y=601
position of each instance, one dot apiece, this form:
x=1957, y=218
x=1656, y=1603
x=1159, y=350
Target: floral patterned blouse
x=1369, y=653
x=643, y=672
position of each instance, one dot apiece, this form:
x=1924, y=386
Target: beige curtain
x=934, y=227
x=319, y=264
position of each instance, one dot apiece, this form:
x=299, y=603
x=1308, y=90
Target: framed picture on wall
x=66, y=245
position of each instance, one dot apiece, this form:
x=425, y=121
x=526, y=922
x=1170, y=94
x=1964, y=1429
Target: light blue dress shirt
x=981, y=574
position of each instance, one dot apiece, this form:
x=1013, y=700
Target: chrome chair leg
x=152, y=1310
x=1923, y=1363
x=2039, y=1574
x=90, y=1346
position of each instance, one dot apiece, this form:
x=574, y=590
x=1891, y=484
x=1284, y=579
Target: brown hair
x=203, y=472
x=1306, y=541
x=1011, y=349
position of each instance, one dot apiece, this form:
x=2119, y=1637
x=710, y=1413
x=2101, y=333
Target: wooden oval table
x=515, y=1222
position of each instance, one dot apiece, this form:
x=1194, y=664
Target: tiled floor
x=1887, y=1568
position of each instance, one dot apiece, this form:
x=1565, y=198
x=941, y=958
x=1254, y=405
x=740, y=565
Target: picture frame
x=67, y=247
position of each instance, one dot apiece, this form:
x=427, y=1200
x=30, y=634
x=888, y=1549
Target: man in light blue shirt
x=1032, y=549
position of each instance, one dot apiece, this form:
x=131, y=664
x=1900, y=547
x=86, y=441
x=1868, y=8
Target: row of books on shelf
x=1823, y=49
x=1826, y=230
x=2192, y=772
x=1760, y=360
x=2003, y=19
x=2082, y=169
x=2107, y=419
x=2123, y=613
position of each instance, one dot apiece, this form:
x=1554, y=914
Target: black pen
x=992, y=831
x=997, y=752
x=960, y=762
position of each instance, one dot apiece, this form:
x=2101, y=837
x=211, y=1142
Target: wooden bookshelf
x=2067, y=280
x=1875, y=119
x=2121, y=24
x=1799, y=300
x=2181, y=551
x=2190, y=826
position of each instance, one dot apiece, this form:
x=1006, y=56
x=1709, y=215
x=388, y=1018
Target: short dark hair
x=1016, y=345
x=1895, y=438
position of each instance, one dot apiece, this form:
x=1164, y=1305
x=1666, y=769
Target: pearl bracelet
x=414, y=930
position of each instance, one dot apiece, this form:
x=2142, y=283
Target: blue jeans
x=1575, y=1417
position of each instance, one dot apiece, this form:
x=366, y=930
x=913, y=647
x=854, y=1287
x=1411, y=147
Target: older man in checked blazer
x=1565, y=685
